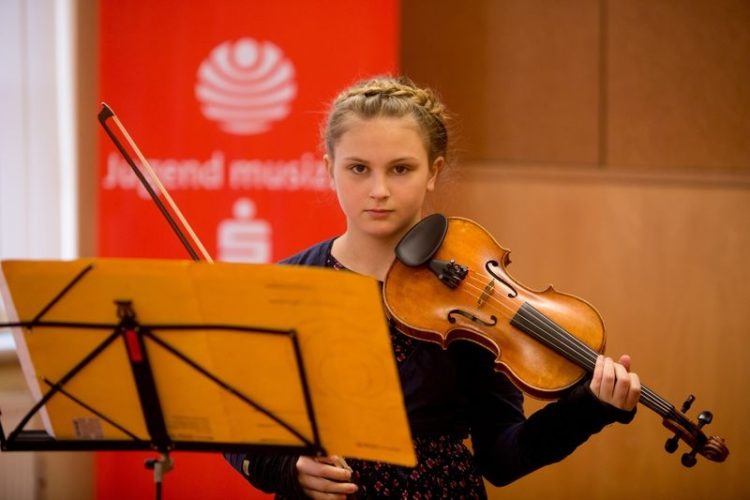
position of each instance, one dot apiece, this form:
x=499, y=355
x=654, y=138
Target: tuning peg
x=687, y=404
x=688, y=459
x=705, y=417
x=673, y=442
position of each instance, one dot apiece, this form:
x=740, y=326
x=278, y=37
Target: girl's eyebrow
x=395, y=160
x=355, y=158
x=404, y=159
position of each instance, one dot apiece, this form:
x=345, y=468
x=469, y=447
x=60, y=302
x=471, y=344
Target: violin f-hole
x=472, y=317
x=513, y=293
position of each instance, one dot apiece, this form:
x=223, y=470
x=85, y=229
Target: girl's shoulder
x=315, y=255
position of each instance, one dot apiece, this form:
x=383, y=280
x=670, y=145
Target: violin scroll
x=713, y=448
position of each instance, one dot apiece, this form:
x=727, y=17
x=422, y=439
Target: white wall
x=38, y=199
x=37, y=133
x=38, y=212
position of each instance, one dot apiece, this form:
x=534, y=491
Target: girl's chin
x=384, y=229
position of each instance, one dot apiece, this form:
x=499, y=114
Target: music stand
x=145, y=352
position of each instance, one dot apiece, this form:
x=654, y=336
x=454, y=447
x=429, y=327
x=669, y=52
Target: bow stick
x=107, y=113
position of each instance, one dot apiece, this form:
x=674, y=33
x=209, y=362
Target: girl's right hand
x=321, y=478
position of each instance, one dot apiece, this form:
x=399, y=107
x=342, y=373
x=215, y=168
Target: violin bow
x=105, y=114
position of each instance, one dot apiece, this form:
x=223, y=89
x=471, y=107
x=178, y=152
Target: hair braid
x=394, y=97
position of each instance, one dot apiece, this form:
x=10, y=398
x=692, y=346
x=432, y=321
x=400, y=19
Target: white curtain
x=37, y=131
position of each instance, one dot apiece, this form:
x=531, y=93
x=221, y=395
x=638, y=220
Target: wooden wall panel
x=446, y=47
x=678, y=91
x=632, y=84
x=521, y=76
x=663, y=258
x=658, y=93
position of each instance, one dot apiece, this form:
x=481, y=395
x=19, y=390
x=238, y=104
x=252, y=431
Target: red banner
x=225, y=100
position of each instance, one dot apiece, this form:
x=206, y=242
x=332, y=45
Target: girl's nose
x=379, y=188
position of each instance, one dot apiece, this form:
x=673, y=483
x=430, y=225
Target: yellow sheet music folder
x=337, y=316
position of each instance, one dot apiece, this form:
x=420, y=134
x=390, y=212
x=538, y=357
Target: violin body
x=423, y=307
x=449, y=282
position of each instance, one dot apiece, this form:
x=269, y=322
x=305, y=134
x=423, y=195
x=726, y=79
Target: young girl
x=386, y=141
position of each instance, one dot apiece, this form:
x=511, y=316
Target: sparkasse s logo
x=245, y=86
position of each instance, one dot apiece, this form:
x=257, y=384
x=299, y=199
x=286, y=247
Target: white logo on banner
x=243, y=239
x=245, y=86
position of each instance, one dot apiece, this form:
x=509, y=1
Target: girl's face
x=381, y=174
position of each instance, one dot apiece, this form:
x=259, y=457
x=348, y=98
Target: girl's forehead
x=406, y=121
x=380, y=130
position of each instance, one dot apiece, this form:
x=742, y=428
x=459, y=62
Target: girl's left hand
x=615, y=384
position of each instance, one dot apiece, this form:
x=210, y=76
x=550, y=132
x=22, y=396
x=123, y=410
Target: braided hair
x=390, y=97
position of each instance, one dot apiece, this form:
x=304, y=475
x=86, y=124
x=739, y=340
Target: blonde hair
x=390, y=97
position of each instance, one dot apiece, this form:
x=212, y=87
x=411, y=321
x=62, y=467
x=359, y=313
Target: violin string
x=646, y=394
x=561, y=340
x=565, y=343
x=548, y=332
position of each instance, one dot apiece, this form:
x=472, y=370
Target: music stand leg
x=160, y=466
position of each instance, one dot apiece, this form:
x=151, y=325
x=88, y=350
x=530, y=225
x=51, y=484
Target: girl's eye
x=358, y=168
x=401, y=169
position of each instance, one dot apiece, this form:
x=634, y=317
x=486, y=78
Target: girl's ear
x=435, y=169
x=329, y=169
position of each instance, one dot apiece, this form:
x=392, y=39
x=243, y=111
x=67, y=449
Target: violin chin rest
x=417, y=246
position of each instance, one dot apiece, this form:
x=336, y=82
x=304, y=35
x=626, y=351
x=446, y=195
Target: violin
x=449, y=282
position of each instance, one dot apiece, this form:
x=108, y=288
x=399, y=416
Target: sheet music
x=337, y=316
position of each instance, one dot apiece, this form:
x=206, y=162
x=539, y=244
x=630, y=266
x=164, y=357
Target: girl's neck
x=365, y=254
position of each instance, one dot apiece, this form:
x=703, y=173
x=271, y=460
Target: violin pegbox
x=712, y=447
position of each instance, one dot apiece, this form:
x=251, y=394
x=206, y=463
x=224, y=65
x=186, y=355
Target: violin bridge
x=488, y=290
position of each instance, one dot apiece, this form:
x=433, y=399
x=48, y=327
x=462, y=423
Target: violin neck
x=531, y=321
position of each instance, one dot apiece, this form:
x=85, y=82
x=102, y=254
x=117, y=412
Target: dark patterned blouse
x=445, y=467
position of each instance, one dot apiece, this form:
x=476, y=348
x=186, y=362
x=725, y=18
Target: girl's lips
x=378, y=212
